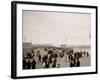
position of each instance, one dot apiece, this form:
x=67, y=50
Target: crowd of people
x=48, y=57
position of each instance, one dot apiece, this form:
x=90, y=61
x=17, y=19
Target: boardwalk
x=84, y=61
x=63, y=59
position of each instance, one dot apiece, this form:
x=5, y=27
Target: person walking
x=78, y=63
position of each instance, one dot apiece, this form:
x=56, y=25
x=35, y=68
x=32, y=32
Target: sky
x=41, y=27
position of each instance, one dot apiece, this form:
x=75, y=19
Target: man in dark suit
x=78, y=63
x=33, y=64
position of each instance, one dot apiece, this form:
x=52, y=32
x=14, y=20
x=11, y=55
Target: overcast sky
x=56, y=28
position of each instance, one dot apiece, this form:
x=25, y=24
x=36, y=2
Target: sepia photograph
x=56, y=39
x=51, y=39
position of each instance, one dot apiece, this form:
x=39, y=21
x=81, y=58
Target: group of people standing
x=29, y=62
x=47, y=58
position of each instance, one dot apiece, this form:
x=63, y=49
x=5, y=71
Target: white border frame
x=38, y=72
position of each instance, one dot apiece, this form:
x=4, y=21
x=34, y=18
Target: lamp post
x=89, y=35
x=66, y=40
